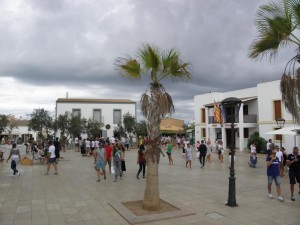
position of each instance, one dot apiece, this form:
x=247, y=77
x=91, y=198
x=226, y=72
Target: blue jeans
x=117, y=165
x=13, y=166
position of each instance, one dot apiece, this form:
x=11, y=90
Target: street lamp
x=280, y=123
x=233, y=103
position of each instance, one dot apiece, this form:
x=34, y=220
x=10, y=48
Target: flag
x=217, y=113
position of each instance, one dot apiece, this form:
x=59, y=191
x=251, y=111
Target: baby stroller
x=253, y=161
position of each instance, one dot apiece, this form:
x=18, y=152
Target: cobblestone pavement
x=74, y=196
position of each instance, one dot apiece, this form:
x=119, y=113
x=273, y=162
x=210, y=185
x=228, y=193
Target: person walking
x=253, y=159
x=293, y=162
x=189, y=155
x=169, y=152
x=99, y=161
x=273, y=165
x=57, y=146
x=202, y=149
x=117, y=162
x=141, y=161
x=51, y=159
x=123, y=164
x=15, y=158
x=209, y=150
x=108, y=150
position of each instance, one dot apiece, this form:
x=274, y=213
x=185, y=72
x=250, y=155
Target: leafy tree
x=93, y=128
x=129, y=122
x=77, y=126
x=278, y=26
x=63, y=123
x=261, y=143
x=156, y=65
x=3, y=124
x=40, y=122
x=141, y=128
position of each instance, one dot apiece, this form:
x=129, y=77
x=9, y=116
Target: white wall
x=106, y=110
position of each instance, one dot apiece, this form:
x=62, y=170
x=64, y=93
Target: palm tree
x=156, y=65
x=278, y=25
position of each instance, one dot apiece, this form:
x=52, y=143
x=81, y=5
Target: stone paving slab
x=74, y=196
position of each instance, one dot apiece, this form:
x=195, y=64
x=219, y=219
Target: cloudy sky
x=51, y=47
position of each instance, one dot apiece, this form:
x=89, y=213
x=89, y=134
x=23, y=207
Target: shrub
x=261, y=143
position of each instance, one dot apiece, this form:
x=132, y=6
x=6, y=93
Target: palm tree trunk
x=151, y=195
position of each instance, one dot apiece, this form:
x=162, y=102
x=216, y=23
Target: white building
x=107, y=111
x=261, y=106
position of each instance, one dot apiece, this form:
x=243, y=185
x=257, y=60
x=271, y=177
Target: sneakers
x=270, y=196
x=280, y=198
x=18, y=173
x=293, y=198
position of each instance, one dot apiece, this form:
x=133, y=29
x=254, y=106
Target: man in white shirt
x=51, y=158
x=76, y=141
x=279, y=154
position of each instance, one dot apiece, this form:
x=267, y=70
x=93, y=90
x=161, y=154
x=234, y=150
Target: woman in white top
x=189, y=155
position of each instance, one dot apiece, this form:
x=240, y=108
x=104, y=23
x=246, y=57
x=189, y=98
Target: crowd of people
x=110, y=152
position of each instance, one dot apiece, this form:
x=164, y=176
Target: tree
x=63, y=123
x=156, y=65
x=77, y=126
x=129, y=123
x=3, y=124
x=278, y=25
x=141, y=128
x=93, y=128
x=40, y=122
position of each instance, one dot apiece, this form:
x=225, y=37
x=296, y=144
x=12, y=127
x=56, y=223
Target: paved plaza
x=74, y=196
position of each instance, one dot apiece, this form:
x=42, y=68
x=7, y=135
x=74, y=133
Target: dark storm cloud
x=75, y=43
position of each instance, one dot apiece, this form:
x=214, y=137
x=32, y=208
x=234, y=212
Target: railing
x=252, y=118
x=228, y=119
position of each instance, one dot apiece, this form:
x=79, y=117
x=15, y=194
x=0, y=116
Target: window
x=245, y=109
x=117, y=116
x=246, y=132
x=203, y=115
x=277, y=109
x=76, y=112
x=203, y=132
x=97, y=115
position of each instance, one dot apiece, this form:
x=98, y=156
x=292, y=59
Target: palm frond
x=150, y=58
x=145, y=104
x=289, y=97
x=173, y=67
x=275, y=23
x=129, y=68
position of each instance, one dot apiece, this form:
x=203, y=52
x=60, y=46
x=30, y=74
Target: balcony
x=247, y=119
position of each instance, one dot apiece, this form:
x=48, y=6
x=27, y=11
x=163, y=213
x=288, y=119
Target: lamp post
x=280, y=123
x=233, y=103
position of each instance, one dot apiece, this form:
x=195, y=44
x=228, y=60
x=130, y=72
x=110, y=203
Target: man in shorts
x=273, y=165
x=51, y=158
x=100, y=156
x=293, y=161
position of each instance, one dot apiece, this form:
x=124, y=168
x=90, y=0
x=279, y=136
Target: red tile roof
x=93, y=100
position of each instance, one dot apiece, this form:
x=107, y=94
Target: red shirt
x=108, y=152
